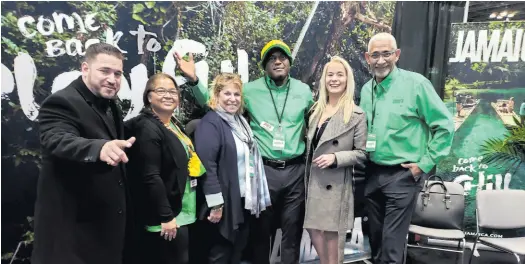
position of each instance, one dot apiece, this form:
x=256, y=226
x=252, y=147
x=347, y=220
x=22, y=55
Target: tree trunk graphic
x=346, y=13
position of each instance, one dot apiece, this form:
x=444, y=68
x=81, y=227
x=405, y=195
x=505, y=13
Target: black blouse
x=318, y=133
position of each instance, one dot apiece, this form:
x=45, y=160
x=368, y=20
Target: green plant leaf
x=137, y=8
x=507, y=152
x=150, y=4
x=7, y=256
x=139, y=18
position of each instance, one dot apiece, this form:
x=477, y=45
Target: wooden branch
x=372, y=22
x=145, y=57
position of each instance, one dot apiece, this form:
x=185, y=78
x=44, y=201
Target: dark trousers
x=224, y=251
x=156, y=250
x=287, y=194
x=390, y=195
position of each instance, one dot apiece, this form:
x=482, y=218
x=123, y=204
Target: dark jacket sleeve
x=208, y=147
x=60, y=132
x=149, y=152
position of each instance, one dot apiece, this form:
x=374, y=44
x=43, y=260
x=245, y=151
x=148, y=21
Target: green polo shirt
x=410, y=121
x=260, y=107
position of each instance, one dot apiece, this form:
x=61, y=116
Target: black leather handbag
x=440, y=205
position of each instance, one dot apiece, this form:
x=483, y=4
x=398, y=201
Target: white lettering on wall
x=60, y=23
x=184, y=46
x=477, y=47
x=22, y=26
x=63, y=80
x=8, y=81
x=152, y=45
x=139, y=77
x=25, y=76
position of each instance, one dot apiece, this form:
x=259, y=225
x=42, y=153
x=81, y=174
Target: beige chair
x=443, y=234
x=501, y=209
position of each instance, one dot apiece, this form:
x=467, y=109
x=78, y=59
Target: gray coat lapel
x=337, y=127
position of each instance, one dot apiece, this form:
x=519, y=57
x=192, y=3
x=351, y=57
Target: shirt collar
x=271, y=83
x=389, y=79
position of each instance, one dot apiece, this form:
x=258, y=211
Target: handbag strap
x=426, y=195
x=432, y=177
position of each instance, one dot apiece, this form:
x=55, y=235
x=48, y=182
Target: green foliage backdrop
x=336, y=28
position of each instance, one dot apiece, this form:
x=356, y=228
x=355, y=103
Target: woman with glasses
x=163, y=172
x=335, y=143
x=235, y=184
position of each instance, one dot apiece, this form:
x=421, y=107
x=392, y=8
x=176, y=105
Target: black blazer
x=81, y=207
x=158, y=170
x=216, y=147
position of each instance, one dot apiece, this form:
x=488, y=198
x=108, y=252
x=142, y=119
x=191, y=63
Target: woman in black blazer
x=163, y=169
x=235, y=184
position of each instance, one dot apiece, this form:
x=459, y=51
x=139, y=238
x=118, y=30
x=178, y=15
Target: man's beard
x=383, y=73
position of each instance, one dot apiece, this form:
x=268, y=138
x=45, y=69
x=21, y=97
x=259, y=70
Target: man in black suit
x=81, y=214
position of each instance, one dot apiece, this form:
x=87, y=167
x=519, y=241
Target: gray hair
x=382, y=36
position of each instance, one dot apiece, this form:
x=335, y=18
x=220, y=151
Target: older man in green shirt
x=409, y=131
x=277, y=106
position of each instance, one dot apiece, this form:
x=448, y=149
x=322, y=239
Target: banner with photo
x=43, y=44
x=485, y=88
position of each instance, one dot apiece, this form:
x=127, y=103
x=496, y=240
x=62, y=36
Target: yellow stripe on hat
x=275, y=43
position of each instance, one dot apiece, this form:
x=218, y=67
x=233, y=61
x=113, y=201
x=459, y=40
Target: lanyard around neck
x=279, y=117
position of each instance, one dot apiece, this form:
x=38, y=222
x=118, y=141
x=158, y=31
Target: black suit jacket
x=158, y=170
x=81, y=205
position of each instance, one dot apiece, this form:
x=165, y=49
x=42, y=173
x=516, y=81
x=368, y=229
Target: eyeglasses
x=163, y=92
x=384, y=54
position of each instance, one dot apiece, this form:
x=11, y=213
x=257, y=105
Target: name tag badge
x=371, y=143
x=193, y=183
x=267, y=126
x=278, y=140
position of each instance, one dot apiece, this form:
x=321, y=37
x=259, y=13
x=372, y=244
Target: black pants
x=223, y=251
x=156, y=250
x=287, y=194
x=390, y=195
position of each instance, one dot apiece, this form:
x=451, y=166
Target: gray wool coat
x=329, y=192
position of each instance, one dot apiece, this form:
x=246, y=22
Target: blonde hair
x=347, y=99
x=218, y=84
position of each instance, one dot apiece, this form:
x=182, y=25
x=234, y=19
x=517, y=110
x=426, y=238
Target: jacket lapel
x=90, y=98
x=337, y=127
x=178, y=154
x=117, y=116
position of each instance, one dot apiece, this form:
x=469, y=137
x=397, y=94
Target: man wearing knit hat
x=277, y=106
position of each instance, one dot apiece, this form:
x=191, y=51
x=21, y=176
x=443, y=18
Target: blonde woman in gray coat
x=336, y=143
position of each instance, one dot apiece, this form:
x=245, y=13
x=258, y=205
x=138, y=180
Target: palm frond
x=507, y=152
x=518, y=122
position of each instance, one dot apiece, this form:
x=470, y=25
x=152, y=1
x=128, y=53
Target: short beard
x=382, y=74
